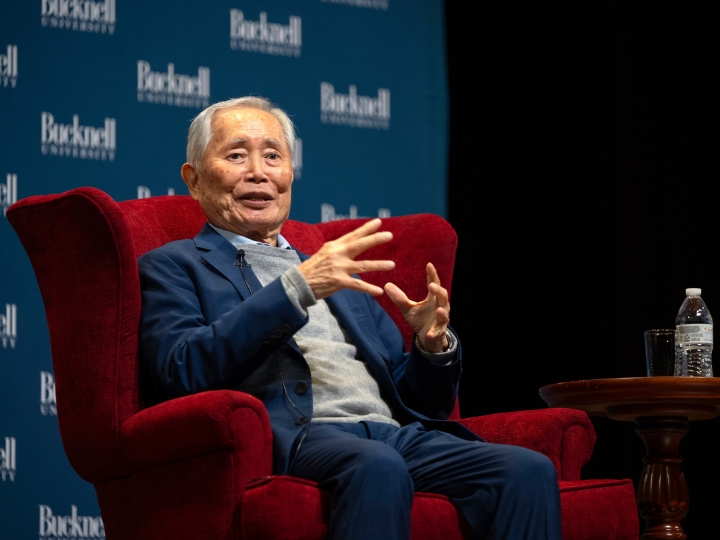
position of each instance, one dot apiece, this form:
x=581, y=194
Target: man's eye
x=272, y=155
x=235, y=155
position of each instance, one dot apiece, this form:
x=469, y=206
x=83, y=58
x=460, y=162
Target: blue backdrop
x=101, y=93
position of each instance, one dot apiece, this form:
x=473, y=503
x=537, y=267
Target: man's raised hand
x=331, y=268
x=429, y=318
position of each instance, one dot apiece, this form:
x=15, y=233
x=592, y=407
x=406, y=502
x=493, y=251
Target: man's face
x=244, y=183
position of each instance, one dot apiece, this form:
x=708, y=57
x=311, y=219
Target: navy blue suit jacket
x=202, y=329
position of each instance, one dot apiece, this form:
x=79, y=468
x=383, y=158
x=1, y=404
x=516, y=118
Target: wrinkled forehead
x=229, y=123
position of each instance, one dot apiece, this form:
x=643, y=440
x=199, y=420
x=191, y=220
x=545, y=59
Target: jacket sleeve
x=184, y=349
x=425, y=387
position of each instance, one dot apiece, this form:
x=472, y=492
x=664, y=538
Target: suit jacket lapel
x=222, y=255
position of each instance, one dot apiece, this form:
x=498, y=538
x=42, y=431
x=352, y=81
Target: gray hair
x=200, y=131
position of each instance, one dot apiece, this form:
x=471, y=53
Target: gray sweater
x=343, y=389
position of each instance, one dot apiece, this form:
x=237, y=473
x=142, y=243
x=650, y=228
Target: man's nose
x=256, y=168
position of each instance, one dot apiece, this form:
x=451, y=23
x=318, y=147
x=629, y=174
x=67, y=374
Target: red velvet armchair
x=199, y=467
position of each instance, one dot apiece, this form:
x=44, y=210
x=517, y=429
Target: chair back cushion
x=155, y=221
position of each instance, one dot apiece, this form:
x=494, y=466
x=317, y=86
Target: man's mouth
x=256, y=199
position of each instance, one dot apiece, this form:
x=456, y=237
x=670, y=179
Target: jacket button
x=301, y=388
x=265, y=344
x=278, y=334
x=285, y=327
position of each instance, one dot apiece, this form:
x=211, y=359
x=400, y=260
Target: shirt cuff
x=298, y=290
x=443, y=358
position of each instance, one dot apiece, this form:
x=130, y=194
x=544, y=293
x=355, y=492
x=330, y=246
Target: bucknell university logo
x=8, y=460
x=47, y=394
x=8, y=326
x=264, y=37
x=170, y=88
x=54, y=527
x=9, y=67
x=79, y=15
x=8, y=192
x=327, y=213
x=77, y=141
x=353, y=110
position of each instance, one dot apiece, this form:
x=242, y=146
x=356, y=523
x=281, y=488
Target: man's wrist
x=298, y=290
x=449, y=339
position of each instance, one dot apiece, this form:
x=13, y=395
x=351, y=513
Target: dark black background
x=584, y=190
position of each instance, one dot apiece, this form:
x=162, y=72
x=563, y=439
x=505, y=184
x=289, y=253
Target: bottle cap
x=693, y=292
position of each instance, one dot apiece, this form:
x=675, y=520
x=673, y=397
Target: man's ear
x=191, y=179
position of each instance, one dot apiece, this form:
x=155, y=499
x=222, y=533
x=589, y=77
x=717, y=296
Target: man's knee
x=374, y=495
x=377, y=468
x=527, y=467
x=380, y=461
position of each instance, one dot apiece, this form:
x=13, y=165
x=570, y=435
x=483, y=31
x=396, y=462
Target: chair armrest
x=566, y=436
x=201, y=424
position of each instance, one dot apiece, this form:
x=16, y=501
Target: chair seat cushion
x=286, y=507
x=599, y=510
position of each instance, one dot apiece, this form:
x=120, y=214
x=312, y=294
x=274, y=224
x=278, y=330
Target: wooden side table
x=661, y=408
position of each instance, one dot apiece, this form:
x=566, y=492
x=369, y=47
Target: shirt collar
x=238, y=240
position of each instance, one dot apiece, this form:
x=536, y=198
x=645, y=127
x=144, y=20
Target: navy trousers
x=372, y=470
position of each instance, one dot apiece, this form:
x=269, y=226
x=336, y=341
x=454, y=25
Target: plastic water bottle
x=693, y=337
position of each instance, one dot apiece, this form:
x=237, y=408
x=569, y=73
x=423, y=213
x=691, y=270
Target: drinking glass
x=660, y=352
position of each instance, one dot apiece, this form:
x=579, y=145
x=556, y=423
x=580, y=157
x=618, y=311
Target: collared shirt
x=238, y=240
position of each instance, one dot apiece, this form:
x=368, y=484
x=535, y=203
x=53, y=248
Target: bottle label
x=686, y=334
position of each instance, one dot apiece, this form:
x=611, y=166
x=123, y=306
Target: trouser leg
x=372, y=470
x=504, y=492
x=369, y=481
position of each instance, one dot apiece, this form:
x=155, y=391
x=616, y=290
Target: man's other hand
x=331, y=268
x=429, y=318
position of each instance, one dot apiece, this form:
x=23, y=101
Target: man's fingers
x=442, y=316
x=397, y=295
x=373, y=266
x=365, y=229
x=364, y=237
x=440, y=293
x=357, y=245
x=363, y=286
x=432, y=275
x=440, y=324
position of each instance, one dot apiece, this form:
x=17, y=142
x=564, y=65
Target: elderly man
x=238, y=308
